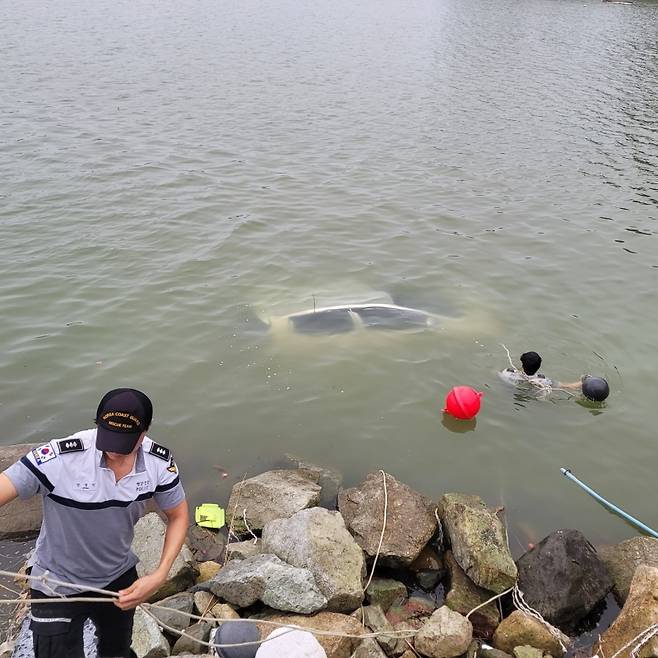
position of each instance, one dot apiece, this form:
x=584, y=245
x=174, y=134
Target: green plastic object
x=210, y=515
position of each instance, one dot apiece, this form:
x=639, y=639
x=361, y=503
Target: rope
x=381, y=538
x=246, y=525
x=519, y=602
x=541, y=384
x=642, y=639
x=230, y=528
x=493, y=598
x=148, y=607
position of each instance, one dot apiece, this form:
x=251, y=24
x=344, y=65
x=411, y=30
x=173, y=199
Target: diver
x=593, y=388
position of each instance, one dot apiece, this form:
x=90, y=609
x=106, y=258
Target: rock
x=563, y=578
x=178, y=602
x=200, y=632
x=147, y=546
x=317, y=539
x=521, y=629
x=464, y=595
x=621, y=561
x=240, y=550
x=203, y=602
x=223, y=611
x=206, y=544
x=408, y=654
x=428, y=568
x=640, y=612
x=478, y=541
x=374, y=619
x=207, y=570
x=369, y=649
x=148, y=641
x=415, y=611
x=19, y=518
x=328, y=479
x=427, y=560
x=473, y=649
x=488, y=652
x=527, y=652
x=410, y=522
x=428, y=580
x=335, y=647
x=444, y=635
x=384, y=592
x=268, y=579
x=271, y=495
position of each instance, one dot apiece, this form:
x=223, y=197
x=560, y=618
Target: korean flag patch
x=44, y=454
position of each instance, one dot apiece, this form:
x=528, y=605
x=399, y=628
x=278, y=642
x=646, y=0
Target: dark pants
x=57, y=627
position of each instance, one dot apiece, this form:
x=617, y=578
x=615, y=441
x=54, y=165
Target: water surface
x=168, y=171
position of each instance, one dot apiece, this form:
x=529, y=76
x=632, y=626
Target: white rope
x=493, y=598
x=520, y=603
x=246, y=525
x=542, y=384
x=381, y=538
x=147, y=607
x=641, y=638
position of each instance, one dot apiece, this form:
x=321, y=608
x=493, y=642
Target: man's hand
x=139, y=591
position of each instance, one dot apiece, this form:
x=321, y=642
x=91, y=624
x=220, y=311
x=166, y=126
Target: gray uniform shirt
x=88, y=517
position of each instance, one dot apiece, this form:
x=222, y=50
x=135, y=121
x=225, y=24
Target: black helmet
x=595, y=388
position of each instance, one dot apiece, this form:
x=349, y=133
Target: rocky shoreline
x=302, y=550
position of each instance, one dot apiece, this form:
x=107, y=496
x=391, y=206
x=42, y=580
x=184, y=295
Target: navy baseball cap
x=122, y=416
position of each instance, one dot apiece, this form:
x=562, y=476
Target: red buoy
x=463, y=402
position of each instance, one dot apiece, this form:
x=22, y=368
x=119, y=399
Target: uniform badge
x=44, y=454
x=172, y=468
x=160, y=451
x=70, y=445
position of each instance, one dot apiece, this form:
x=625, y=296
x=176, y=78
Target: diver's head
x=531, y=362
x=595, y=388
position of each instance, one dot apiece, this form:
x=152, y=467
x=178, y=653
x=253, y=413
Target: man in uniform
x=95, y=485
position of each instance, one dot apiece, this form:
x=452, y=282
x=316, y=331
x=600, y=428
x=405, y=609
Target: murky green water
x=169, y=169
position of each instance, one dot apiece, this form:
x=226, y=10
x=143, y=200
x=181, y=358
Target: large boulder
x=328, y=479
x=621, y=561
x=271, y=495
x=147, y=546
x=640, y=612
x=335, y=646
x=410, y=520
x=521, y=629
x=147, y=640
x=268, y=579
x=563, y=578
x=317, y=539
x=19, y=518
x=464, y=595
x=478, y=540
x=446, y=634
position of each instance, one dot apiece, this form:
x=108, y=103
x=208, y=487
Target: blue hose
x=609, y=505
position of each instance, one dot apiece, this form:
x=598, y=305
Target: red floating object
x=463, y=402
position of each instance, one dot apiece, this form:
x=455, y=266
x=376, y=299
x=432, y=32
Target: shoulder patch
x=44, y=453
x=159, y=451
x=172, y=468
x=70, y=445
